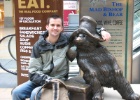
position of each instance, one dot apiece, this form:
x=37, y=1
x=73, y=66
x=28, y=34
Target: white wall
x=8, y=9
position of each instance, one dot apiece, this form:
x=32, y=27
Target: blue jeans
x=25, y=90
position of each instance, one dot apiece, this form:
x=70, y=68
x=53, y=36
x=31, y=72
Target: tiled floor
x=109, y=93
x=6, y=85
x=4, y=53
x=5, y=93
x=5, y=32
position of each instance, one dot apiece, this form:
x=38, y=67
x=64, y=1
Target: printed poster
x=116, y=16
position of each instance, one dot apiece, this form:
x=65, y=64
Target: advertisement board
x=70, y=7
x=30, y=22
x=116, y=16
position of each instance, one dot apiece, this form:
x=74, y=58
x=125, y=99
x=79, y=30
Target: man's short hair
x=54, y=17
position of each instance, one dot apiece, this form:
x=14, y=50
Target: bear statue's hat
x=88, y=26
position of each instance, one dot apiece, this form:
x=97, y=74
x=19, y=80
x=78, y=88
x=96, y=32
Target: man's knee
x=15, y=91
x=35, y=93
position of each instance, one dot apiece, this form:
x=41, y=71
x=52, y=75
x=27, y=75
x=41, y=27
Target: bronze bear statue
x=99, y=66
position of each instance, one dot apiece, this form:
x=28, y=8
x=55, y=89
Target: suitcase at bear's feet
x=78, y=89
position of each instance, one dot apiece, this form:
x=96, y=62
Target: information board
x=117, y=17
x=30, y=22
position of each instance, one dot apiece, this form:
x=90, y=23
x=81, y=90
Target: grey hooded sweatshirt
x=49, y=61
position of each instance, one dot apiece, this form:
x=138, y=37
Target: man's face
x=54, y=27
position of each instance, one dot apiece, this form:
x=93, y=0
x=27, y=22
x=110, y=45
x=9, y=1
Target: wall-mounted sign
x=30, y=17
x=70, y=7
x=117, y=17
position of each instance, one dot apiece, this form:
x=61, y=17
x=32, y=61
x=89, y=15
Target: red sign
x=70, y=7
x=66, y=16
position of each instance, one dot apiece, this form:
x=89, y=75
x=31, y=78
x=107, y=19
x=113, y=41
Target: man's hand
x=105, y=35
x=55, y=81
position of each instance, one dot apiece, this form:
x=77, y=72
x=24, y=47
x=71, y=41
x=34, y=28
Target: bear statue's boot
x=125, y=89
x=96, y=89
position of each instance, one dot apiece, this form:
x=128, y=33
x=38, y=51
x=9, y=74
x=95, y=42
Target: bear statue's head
x=87, y=33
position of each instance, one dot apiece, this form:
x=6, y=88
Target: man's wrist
x=48, y=79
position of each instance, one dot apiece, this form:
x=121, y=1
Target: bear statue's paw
x=118, y=72
x=102, y=90
x=97, y=96
x=134, y=96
